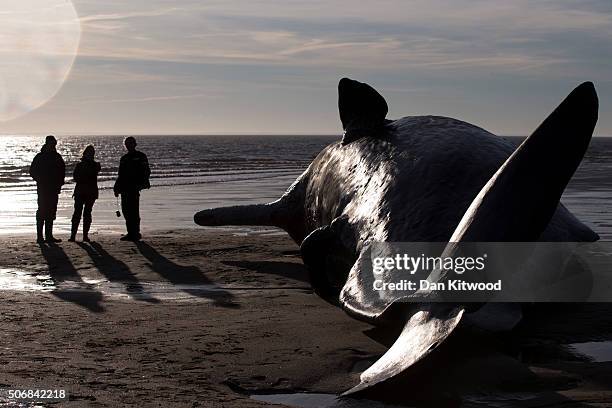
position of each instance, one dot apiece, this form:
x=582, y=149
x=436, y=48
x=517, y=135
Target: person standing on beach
x=85, y=192
x=133, y=177
x=48, y=170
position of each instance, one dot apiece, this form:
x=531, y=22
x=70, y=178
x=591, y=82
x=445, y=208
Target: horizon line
x=125, y=134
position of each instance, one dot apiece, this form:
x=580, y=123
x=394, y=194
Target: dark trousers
x=45, y=214
x=130, y=206
x=82, y=206
x=47, y=205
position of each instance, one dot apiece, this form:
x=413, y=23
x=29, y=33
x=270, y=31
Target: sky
x=252, y=67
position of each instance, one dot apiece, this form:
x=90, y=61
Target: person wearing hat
x=133, y=176
x=48, y=170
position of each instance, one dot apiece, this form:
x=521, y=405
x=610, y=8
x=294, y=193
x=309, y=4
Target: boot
x=49, y=232
x=73, y=231
x=86, y=226
x=39, y=230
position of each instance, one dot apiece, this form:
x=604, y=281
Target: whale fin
x=516, y=204
x=327, y=259
x=362, y=109
x=519, y=200
x=357, y=297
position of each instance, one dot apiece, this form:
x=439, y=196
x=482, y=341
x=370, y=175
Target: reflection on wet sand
x=116, y=271
x=61, y=269
x=151, y=291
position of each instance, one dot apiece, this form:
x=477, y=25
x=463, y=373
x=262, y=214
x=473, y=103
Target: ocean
x=190, y=173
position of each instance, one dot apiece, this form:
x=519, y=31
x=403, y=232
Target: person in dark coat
x=85, y=192
x=48, y=170
x=133, y=177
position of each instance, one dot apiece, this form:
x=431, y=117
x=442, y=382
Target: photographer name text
x=448, y=286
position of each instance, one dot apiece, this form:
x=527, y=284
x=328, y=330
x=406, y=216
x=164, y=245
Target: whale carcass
x=421, y=178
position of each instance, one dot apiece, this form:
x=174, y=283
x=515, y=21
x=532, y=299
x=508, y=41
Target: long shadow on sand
x=290, y=270
x=189, y=279
x=61, y=270
x=116, y=271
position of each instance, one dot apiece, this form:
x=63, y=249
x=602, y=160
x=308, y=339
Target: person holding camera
x=133, y=177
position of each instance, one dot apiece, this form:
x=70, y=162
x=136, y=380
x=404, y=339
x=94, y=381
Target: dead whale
x=424, y=178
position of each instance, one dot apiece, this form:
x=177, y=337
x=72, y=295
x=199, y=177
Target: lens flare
x=39, y=40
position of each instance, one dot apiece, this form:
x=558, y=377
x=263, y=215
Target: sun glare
x=39, y=40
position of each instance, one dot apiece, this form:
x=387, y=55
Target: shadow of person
x=62, y=270
x=189, y=279
x=291, y=270
x=116, y=271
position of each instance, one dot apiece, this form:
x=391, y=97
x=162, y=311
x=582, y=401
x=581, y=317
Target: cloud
x=128, y=15
x=254, y=56
x=149, y=98
x=510, y=36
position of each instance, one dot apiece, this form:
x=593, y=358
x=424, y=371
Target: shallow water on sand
x=191, y=173
x=30, y=281
x=315, y=400
x=596, y=351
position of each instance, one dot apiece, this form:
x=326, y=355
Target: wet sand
x=207, y=318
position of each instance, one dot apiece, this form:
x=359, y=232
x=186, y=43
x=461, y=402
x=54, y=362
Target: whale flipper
x=327, y=259
x=516, y=204
x=362, y=109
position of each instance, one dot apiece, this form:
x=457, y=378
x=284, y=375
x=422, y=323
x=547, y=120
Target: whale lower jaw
x=424, y=331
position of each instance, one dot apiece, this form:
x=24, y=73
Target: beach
x=305, y=204
x=194, y=316
x=198, y=318
x=185, y=318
